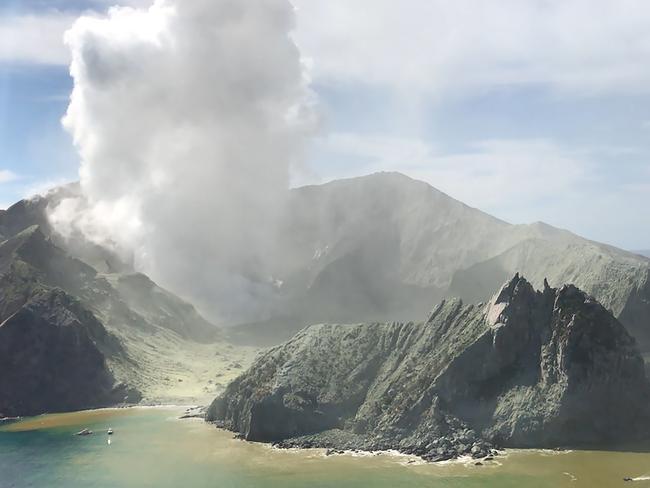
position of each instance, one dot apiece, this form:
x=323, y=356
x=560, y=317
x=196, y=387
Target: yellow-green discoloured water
x=151, y=447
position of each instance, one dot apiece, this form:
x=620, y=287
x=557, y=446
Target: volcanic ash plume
x=187, y=117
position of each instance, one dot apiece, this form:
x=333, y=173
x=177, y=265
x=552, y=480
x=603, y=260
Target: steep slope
x=26, y=213
x=530, y=368
x=34, y=212
x=383, y=247
x=119, y=298
x=53, y=351
x=163, y=347
x=399, y=238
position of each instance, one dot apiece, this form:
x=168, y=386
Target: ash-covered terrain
x=384, y=247
x=80, y=329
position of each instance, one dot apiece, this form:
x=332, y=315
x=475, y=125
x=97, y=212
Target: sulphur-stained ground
x=167, y=369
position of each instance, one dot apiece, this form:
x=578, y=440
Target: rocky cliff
x=52, y=352
x=529, y=368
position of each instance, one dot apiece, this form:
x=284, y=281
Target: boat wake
x=571, y=476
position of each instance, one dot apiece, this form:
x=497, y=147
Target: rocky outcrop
x=530, y=368
x=52, y=357
x=28, y=212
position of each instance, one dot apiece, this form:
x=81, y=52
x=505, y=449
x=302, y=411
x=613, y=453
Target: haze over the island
x=540, y=114
x=255, y=213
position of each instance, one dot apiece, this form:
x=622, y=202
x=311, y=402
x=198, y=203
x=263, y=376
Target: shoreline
x=406, y=459
x=185, y=413
x=493, y=460
x=344, y=447
x=158, y=427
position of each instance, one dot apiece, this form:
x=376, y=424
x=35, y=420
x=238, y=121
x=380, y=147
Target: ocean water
x=152, y=448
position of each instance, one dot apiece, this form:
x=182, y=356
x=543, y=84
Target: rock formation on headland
x=530, y=368
x=52, y=358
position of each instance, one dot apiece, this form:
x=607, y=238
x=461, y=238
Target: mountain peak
x=516, y=292
x=379, y=181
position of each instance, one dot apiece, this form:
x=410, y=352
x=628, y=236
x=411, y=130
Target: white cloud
x=37, y=37
x=187, y=117
x=441, y=46
x=421, y=50
x=493, y=175
x=434, y=47
x=7, y=176
x=34, y=38
x=517, y=180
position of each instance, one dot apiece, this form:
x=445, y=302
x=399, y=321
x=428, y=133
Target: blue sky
x=34, y=145
x=530, y=110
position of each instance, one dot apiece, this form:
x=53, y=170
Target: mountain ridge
x=384, y=246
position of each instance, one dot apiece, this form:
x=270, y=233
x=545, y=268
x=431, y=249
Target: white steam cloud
x=187, y=117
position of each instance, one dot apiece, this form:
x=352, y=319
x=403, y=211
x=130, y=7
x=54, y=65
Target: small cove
x=151, y=447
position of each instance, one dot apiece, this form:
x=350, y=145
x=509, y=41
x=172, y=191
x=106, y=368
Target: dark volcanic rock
x=530, y=368
x=25, y=213
x=52, y=358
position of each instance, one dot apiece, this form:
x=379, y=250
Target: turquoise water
x=151, y=447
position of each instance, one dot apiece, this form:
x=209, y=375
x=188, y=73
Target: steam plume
x=187, y=117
